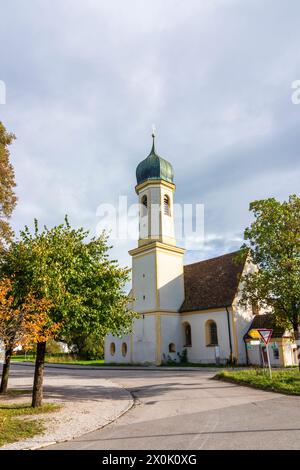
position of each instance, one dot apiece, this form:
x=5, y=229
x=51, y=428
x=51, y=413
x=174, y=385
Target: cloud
x=85, y=81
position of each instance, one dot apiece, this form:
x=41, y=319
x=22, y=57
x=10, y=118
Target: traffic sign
x=255, y=342
x=253, y=333
x=265, y=334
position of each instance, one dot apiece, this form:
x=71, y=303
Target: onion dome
x=154, y=168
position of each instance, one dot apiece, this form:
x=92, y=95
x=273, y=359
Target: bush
x=88, y=347
x=183, y=357
x=53, y=347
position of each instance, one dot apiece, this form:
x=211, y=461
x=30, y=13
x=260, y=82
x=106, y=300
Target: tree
x=22, y=324
x=85, y=287
x=7, y=196
x=88, y=346
x=273, y=240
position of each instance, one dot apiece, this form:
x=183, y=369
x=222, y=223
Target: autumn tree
x=7, y=184
x=273, y=241
x=85, y=287
x=21, y=324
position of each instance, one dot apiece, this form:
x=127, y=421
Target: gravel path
x=88, y=403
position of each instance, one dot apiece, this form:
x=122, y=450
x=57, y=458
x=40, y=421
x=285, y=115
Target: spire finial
x=153, y=137
x=153, y=131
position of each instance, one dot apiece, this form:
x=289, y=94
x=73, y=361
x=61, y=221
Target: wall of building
x=140, y=346
x=170, y=281
x=289, y=349
x=242, y=318
x=144, y=339
x=170, y=333
x=144, y=281
x=118, y=356
x=199, y=351
x=167, y=221
x=285, y=349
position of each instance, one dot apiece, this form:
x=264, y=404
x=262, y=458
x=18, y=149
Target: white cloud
x=85, y=82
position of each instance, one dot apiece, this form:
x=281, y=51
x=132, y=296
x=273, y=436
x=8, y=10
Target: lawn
x=62, y=359
x=13, y=423
x=283, y=381
x=69, y=359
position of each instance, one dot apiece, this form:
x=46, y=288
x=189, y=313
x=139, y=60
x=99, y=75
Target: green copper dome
x=154, y=168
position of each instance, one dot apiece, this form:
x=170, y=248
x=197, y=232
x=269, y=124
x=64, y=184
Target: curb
x=132, y=402
x=60, y=441
x=240, y=383
x=52, y=365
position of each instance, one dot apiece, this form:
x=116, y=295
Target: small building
x=282, y=347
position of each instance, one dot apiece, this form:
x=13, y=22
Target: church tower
x=157, y=263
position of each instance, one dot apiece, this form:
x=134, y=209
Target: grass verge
x=13, y=423
x=68, y=359
x=283, y=381
x=60, y=360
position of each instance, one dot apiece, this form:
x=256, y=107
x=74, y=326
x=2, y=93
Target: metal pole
x=262, y=357
x=269, y=364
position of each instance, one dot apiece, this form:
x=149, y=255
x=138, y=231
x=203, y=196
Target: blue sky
x=86, y=79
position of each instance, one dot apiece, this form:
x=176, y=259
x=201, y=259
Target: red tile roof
x=212, y=283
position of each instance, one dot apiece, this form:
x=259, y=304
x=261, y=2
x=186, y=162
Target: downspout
x=229, y=335
x=247, y=357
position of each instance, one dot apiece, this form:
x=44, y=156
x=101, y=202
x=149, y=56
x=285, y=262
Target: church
x=189, y=311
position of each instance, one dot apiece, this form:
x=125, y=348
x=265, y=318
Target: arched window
x=211, y=333
x=112, y=349
x=167, y=210
x=124, y=349
x=187, y=334
x=172, y=348
x=144, y=202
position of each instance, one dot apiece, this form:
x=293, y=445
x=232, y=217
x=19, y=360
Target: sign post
x=265, y=334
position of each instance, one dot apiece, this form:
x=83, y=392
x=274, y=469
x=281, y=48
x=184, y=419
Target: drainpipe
x=247, y=357
x=229, y=334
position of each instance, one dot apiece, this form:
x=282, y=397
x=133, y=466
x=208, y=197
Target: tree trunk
x=5, y=370
x=37, y=392
x=297, y=341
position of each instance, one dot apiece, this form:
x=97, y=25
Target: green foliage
x=85, y=287
x=53, y=347
x=287, y=381
x=89, y=347
x=183, y=357
x=7, y=195
x=273, y=240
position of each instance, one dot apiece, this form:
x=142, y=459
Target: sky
x=85, y=80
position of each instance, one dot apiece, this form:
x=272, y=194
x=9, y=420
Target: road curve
x=188, y=410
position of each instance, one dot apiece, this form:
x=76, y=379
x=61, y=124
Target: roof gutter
x=229, y=335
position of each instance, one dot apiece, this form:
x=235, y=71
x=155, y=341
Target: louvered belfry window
x=167, y=205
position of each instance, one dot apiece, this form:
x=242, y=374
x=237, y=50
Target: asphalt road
x=188, y=410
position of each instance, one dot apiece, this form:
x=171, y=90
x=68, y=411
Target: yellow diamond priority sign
x=254, y=334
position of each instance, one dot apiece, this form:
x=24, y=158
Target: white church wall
x=167, y=221
x=244, y=316
x=170, y=280
x=199, y=351
x=144, y=339
x=143, y=343
x=154, y=192
x=144, y=282
x=170, y=334
x=122, y=353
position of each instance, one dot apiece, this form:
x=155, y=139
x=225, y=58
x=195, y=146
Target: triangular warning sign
x=265, y=334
